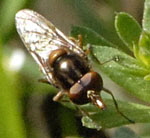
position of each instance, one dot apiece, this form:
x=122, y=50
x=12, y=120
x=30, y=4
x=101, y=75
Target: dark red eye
x=90, y=81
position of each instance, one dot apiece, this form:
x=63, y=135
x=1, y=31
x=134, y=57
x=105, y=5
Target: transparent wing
x=41, y=37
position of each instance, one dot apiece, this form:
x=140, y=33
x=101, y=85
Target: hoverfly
x=62, y=61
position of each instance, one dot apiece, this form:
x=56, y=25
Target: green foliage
x=142, y=50
x=90, y=36
x=11, y=123
x=128, y=29
x=110, y=118
x=91, y=19
x=127, y=72
x=146, y=19
x=66, y=131
x=8, y=10
x=132, y=73
x=125, y=132
x=87, y=15
x=129, y=68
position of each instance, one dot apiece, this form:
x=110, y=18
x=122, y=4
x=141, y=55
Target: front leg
x=44, y=80
x=59, y=96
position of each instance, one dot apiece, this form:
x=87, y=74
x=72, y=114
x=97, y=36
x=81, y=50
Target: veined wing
x=41, y=37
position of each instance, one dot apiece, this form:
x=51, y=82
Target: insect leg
x=78, y=41
x=115, y=58
x=116, y=105
x=58, y=96
x=73, y=39
x=44, y=80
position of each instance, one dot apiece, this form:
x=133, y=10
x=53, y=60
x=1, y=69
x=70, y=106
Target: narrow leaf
x=128, y=29
x=143, y=49
x=91, y=37
x=146, y=17
x=126, y=72
x=110, y=118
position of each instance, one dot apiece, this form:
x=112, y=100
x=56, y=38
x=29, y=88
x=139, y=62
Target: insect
x=62, y=61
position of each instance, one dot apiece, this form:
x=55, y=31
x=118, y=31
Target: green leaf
x=127, y=71
x=128, y=29
x=146, y=16
x=125, y=132
x=109, y=118
x=91, y=37
x=142, y=50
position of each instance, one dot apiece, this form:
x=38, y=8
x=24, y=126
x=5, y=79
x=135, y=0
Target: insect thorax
x=68, y=68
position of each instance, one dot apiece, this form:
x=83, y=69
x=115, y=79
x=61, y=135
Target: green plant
x=131, y=71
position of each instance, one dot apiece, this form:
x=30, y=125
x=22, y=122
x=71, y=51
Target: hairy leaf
x=111, y=118
x=128, y=29
x=146, y=16
x=127, y=71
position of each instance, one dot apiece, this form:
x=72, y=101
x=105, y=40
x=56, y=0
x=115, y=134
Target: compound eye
x=90, y=81
x=55, y=55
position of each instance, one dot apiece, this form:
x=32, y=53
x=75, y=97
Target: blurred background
x=26, y=106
